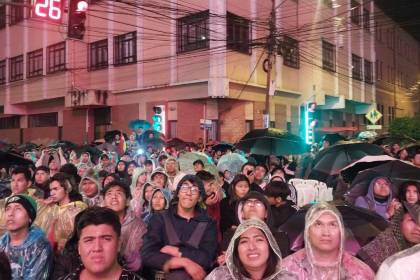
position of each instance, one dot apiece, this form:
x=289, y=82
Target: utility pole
x=271, y=47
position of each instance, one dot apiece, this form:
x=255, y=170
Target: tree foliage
x=406, y=126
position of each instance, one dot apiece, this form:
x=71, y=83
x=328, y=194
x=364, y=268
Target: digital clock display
x=48, y=9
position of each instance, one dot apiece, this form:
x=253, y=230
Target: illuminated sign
x=47, y=9
x=310, y=123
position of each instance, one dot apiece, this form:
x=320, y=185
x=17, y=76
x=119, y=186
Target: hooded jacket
x=30, y=260
x=90, y=174
x=173, y=180
x=304, y=264
x=161, y=171
x=369, y=202
x=231, y=272
x=150, y=211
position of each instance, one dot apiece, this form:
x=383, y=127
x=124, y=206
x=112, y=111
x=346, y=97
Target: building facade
x=197, y=60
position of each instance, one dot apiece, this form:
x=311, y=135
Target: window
x=328, y=56
x=3, y=71
x=16, y=12
x=355, y=12
x=193, y=32
x=291, y=52
x=98, y=55
x=2, y=16
x=10, y=122
x=16, y=68
x=35, y=60
x=56, y=57
x=172, y=129
x=378, y=69
x=366, y=20
x=368, y=71
x=238, y=33
x=43, y=120
x=125, y=50
x=356, y=62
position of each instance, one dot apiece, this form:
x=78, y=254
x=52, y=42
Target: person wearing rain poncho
x=105, y=163
x=173, y=172
x=159, y=202
x=90, y=188
x=138, y=180
x=402, y=233
x=159, y=178
x=253, y=254
x=324, y=256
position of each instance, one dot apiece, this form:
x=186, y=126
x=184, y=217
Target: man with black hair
x=198, y=165
x=98, y=232
x=41, y=177
x=117, y=197
x=248, y=169
x=29, y=252
x=261, y=171
x=416, y=158
x=182, y=240
x=281, y=208
x=162, y=160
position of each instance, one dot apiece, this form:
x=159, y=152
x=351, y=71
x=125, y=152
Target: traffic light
x=77, y=18
x=310, y=123
x=157, y=119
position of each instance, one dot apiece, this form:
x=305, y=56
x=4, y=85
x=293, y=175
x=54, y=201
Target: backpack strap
x=197, y=235
x=170, y=230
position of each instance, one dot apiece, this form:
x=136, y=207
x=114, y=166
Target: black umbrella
x=349, y=172
x=397, y=171
x=27, y=147
x=361, y=225
x=411, y=149
x=63, y=144
x=8, y=158
x=332, y=160
x=223, y=147
x=333, y=138
x=271, y=141
x=387, y=139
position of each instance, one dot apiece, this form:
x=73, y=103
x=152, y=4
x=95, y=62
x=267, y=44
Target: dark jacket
x=228, y=218
x=156, y=238
x=281, y=213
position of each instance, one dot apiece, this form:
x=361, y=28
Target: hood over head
x=170, y=158
x=370, y=195
x=160, y=171
x=166, y=194
x=93, y=176
x=136, y=174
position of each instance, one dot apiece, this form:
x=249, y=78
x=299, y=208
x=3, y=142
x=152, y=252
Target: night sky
x=405, y=12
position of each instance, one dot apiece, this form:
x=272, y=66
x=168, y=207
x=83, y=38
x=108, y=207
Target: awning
x=337, y=129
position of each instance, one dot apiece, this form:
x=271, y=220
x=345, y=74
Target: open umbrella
x=27, y=147
x=387, y=139
x=231, y=162
x=107, y=147
x=186, y=161
x=361, y=226
x=63, y=144
x=366, y=135
x=8, y=158
x=110, y=135
x=136, y=124
x=411, y=148
x=333, y=159
x=397, y=171
x=271, y=141
x=223, y=147
x=350, y=171
x=333, y=138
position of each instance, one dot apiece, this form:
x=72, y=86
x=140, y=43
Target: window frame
x=124, y=43
x=290, y=59
x=2, y=16
x=357, y=65
x=16, y=68
x=32, y=60
x=329, y=53
x=3, y=73
x=16, y=12
x=368, y=71
x=355, y=13
x=238, y=26
x=366, y=20
x=42, y=120
x=98, y=49
x=11, y=122
x=197, y=23
x=52, y=50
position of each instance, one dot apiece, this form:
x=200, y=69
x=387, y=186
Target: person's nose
x=97, y=245
x=251, y=245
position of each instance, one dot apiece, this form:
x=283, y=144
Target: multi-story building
x=195, y=59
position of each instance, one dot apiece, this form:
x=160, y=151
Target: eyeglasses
x=255, y=202
x=188, y=188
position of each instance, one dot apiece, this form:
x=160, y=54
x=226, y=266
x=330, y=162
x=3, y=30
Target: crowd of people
x=138, y=216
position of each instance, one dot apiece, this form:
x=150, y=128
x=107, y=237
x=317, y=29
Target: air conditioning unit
x=87, y=98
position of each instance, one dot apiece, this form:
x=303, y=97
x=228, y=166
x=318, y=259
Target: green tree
x=406, y=126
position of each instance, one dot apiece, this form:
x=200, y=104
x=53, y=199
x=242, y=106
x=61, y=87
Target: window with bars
x=43, y=120
x=16, y=68
x=368, y=71
x=17, y=12
x=366, y=20
x=125, y=49
x=356, y=62
x=35, y=63
x=10, y=122
x=238, y=33
x=193, y=32
x=2, y=16
x=56, y=58
x=290, y=51
x=98, y=55
x=355, y=12
x=328, y=56
x=2, y=71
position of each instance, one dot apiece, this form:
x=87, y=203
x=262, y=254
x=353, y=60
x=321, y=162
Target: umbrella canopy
x=397, y=171
x=366, y=135
x=8, y=158
x=411, y=148
x=110, y=135
x=108, y=147
x=361, y=225
x=63, y=144
x=271, y=141
x=350, y=171
x=178, y=144
x=333, y=138
x=333, y=159
x=27, y=147
x=223, y=147
x=136, y=124
x=232, y=162
x=186, y=161
x=388, y=139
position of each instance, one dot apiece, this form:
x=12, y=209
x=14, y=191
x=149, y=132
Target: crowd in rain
x=204, y=211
